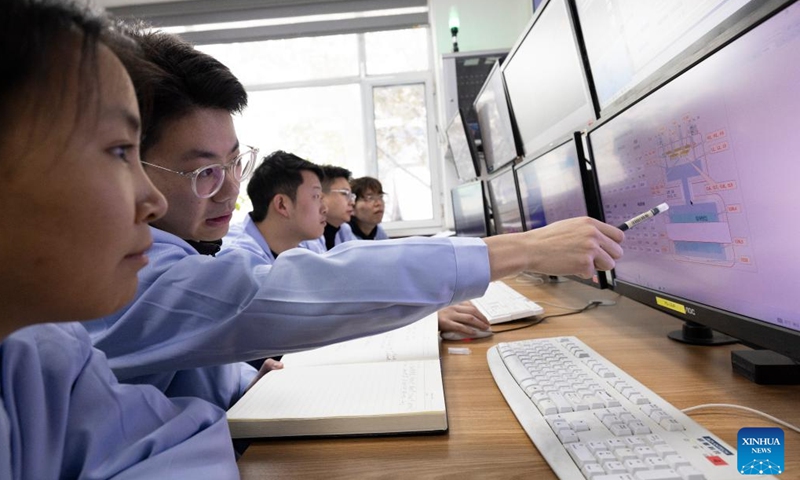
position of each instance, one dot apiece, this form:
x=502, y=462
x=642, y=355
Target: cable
x=537, y=321
x=747, y=409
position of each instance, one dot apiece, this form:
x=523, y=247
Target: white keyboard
x=591, y=420
x=502, y=303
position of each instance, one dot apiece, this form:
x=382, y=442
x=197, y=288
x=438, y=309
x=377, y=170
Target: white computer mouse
x=463, y=336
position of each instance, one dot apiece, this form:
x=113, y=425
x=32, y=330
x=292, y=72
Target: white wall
x=485, y=24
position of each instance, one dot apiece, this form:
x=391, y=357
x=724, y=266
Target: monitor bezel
x=750, y=331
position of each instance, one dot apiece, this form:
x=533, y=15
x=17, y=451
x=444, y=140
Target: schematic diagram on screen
x=695, y=172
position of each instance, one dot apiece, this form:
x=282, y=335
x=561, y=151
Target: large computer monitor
x=505, y=202
x=499, y=139
x=556, y=186
x=628, y=40
x=547, y=84
x=469, y=210
x=465, y=155
x=719, y=145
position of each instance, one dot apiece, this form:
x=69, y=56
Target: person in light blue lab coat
x=75, y=229
x=291, y=207
x=195, y=316
x=286, y=192
x=339, y=201
x=370, y=203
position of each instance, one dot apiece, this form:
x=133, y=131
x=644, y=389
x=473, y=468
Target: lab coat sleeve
x=193, y=311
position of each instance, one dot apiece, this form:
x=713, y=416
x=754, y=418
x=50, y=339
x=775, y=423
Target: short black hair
x=332, y=172
x=360, y=186
x=173, y=79
x=278, y=173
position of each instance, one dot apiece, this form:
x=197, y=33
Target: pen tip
x=663, y=207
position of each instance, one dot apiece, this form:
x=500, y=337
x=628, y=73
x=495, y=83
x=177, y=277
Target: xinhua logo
x=760, y=451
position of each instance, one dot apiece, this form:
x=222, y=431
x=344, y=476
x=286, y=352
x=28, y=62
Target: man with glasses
x=339, y=201
x=195, y=316
x=369, y=208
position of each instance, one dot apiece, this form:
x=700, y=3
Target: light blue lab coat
x=63, y=415
x=345, y=234
x=192, y=312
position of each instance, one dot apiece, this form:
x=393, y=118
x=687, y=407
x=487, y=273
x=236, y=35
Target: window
x=362, y=101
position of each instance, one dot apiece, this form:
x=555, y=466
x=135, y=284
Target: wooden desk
x=486, y=441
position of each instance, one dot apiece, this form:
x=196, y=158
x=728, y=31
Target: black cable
x=537, y=321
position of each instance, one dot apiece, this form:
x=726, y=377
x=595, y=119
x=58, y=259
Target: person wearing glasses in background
x=339, y=201
x=369, y=208
x=196, y=318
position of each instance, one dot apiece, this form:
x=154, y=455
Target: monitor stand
x=765, y=367
x=696, y=334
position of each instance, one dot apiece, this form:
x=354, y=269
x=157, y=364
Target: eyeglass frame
x=347, y=193
x=373, y=197
x=193, y=174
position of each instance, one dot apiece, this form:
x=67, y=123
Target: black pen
x=644, y=216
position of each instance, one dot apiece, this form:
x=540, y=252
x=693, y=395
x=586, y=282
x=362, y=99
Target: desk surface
x=486, y=441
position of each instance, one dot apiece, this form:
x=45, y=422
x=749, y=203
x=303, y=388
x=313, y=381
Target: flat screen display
x=627, y=40
x=497, y=133
x=505, y=203
x=551, y=187
x=720, y=145
x=469, y=210
x=546, y=81
x=462, y=148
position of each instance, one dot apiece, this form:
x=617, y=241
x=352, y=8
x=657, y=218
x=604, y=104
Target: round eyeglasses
x=208, y=180
x=374, y=197
x=350, y=196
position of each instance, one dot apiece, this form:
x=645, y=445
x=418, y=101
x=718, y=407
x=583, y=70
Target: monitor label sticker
x=671, y=305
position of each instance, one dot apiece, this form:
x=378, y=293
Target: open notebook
x=384, y=384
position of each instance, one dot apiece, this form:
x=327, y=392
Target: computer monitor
x=719, y=145
x=469, y=210
x=505, y=202
x=462, y=147
x=546, y=79
x=628, y=40
x=499, y=139
x=556, y=186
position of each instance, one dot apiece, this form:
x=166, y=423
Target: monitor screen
x=645, y=35
x=719, y=145
x=469, y=210
x=505, y=202
x=551, y=187
x=462, y=148
x=546, y=81
x=497, y=132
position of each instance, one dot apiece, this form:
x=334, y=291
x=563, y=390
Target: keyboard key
x=690, y=473
x=592, y=471
x=580, y=454
x=657, y=475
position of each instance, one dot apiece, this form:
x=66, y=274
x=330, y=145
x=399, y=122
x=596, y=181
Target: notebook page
x=417, y=341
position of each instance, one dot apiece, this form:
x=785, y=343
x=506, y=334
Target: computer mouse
x=464, y=336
